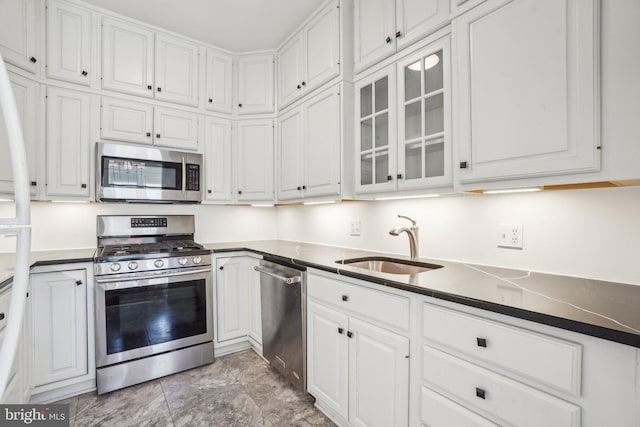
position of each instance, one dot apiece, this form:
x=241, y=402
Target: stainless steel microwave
x=129, y=173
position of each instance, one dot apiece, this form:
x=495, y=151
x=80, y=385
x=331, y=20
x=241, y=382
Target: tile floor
x=236, y=390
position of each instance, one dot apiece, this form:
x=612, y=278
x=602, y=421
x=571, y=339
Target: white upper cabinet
x=384, y=26
x=18, y=33
x=127, y=58
x=255, y=84
x=25, y=92
x=254, y=169
x=69, y=43
x=68, y=142
x=527, y=95
x=311, y=57
x=176, y=70
x=126, y=121
x=219, y=82
x=175, y=128
x=290, y=157
x=217, y=155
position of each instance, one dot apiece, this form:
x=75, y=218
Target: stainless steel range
x=153, y=299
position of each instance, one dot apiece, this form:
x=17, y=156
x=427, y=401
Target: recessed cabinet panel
x=68, y=139
x=255, y=160
x=126, y=121
x=18, y=33
x=127, y=58
x=255, y=84
x=176, y=66
x=217, y=154
x=520, y=116
x=25, y=92
x=219, y=82
x=374, y=31
x=175, y=128
x=290, y=155
x=416, y=18
x=290, y=71
x=69, y=43
x=322, y=43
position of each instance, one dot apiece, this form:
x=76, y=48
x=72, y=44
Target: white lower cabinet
x=62, y=327
x=18, y=390
x=255, y=303
x=357, y=370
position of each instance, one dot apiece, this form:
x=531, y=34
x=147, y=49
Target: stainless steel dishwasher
x=283, y=294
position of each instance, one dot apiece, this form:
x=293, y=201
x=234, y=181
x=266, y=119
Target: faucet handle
x=413, y=222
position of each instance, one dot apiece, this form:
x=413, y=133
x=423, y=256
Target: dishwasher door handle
x=287, y=280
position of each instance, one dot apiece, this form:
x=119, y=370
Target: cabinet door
x=69, y=43
x=378, y=376
x=255, y=309
x=375, y=133
x=68, y=140
x=59, y=326
x=175, y=128
x=217, y=155
x=416, y=18
x=25, y=92
x=327, y=358
x=424, y=125
x=290, y=155
x=322, y=48
x=255, y=84
x=255, y=160
x=374, y=31
x=13, y=391
x=231, y=296
x=219, y=83
x=322, y=144
x=18, y=33
x=126, y=121
x=519, y=116
x=176, y=70
x=127, y=58
x=290, y=72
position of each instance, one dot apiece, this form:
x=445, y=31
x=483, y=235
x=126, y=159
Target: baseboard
x=337, y=419
x=62, y=393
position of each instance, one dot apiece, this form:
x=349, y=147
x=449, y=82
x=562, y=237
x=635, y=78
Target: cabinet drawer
x=517, y=350
x=381, y=306
x=509, y=401
x=438, y=411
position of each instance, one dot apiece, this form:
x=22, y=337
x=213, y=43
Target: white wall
x=73, y=225
x=586, y=233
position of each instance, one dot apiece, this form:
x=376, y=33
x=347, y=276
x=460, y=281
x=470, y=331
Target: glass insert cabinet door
x=375, y=132
x=424, y=118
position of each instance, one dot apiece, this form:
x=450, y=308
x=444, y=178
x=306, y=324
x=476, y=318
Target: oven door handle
x=184, y=176
x=287, y=280
x=153, y=276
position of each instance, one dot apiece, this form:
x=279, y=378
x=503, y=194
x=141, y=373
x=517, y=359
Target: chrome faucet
x=412, y=233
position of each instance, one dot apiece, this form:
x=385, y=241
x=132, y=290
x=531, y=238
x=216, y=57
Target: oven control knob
x=158, y=263
x=183, y=261
x=115, y=266
x=133, y=265
x=197, y=260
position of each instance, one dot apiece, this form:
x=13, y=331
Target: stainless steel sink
x=389, y=265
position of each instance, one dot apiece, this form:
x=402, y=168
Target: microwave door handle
x=184, y=176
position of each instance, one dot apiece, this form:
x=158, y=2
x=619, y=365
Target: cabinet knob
x=240, y=105
x=398, y=34
x=304, y=187
x=33, y=59
x=149, y=134
x=159, y=89
x=84, y=73
x=349, y=334
x=83, y=185
x=149, y=87
x=345, y=298
x=299, y=87
x=389, y=178
x=482, y=342
x=299, y=188
x=78, y=282
x=221, y=267
x=399, y=176
x=480, y=393
x=1, y=316
x=463, y=165
x=157, y=135
x=304, y=83
x=239, y=191
x=34, y=183
x=209, y=191
x=388, y=39
x=210, y=100
x=340, y=331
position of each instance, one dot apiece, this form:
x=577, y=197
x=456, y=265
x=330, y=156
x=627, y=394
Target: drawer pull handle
x=480, y=393
x=78, y=282
x=349, y=334
x=345, y=298
x=482, y=342
x=1, y=316
x=340, y=331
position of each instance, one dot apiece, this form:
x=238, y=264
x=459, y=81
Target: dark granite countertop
x=602, y=309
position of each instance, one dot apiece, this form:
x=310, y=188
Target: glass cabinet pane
x=434, y=160
x=382, y=130
x=412, y=80
x=382, y=94
x=366, y=169
x=382, y=166
x=413, y=160
x=365, y=101
x=412, y=118
x=433, y=72
x=366, y=135
x=434, y=115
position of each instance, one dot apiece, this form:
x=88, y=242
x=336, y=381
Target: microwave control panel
x=193, y=177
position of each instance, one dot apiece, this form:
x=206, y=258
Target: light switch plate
x=355, y=228
x=510, y=236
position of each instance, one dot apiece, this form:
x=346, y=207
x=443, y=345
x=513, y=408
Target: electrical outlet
x=510, y=236
x=355, y=228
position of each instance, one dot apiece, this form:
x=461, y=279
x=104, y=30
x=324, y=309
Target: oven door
x=145, y=315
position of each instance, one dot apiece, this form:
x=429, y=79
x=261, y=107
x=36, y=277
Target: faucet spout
x=412, y=233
